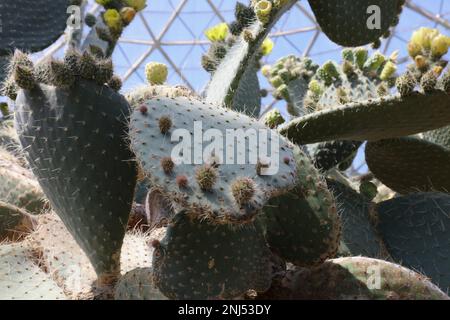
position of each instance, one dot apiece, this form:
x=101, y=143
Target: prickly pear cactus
x=32, y=25
x=138, y=285
x=22, y=279
x=415, y=231
x=209, y=183
x=66, y=116
x=303, y=226
x=199, y=260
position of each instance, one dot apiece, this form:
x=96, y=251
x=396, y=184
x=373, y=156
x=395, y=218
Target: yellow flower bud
x=388, y=70
x=267, y=46
x=137, y=5
x=217, y=33
x=113, y=19
x=127, y=14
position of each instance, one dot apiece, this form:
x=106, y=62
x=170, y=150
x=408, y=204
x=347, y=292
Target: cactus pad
x=415, y=230
x=209, y=175
x=138, y=284
x=410, y=164
x=31, y=25
x=303, y=226
x=197, y=260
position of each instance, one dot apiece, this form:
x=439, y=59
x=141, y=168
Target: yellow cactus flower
x=113, y=19
x=137, y=5
x=424, y=36
x=267, y=46
x=439, y=45
x=103, y=2
x=156, y=73
x=217, y=33
x=263, y=9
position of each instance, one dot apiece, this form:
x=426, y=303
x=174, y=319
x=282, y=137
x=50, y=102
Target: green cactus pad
x=19, y=188
x=66, y=134
x=345, y=22
x=138, y=285
x=410, y=164
x=358, y=234
x=415, y=230
x=355, y=278
x=248, y=97
x=31, y=25
x=209, y=179
x=197, y=260
x=14, y=222
x=440, y=136
x=381, y=118
x=240, y=57
x=22, y=279
x=303, y=226
x=331, y=154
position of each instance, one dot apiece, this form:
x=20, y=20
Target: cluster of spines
x=59, y=73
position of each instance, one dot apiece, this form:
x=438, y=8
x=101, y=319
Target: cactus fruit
x=65, y=139
x=156, y=73
x=197, y=260
x=358, y=278
x=290, y=77
x=15, y=223
x=303, y=226
x=400, y=164
x=347, y=22
x=415, y=230
x=273, y=119
x=210, y=177
x=66, y=262
x=138, y=284
x=22, y=279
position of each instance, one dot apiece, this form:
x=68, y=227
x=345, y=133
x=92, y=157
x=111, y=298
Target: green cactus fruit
x=385, y=117
x=34, y=27
x=361, y=56
x=138, y=285
x=350, y=24
x=368, y=189
x=303, y=226
x=210, y=172
x=240, y=57
x=359, y=278
x=15, y=223
x=359, y=237
x=66, y=262
x=415, y=230
x=328, y=155
x=18, y=186
x=65, y=132
x=410, y=164
x=197, y=260
x=22, y=279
